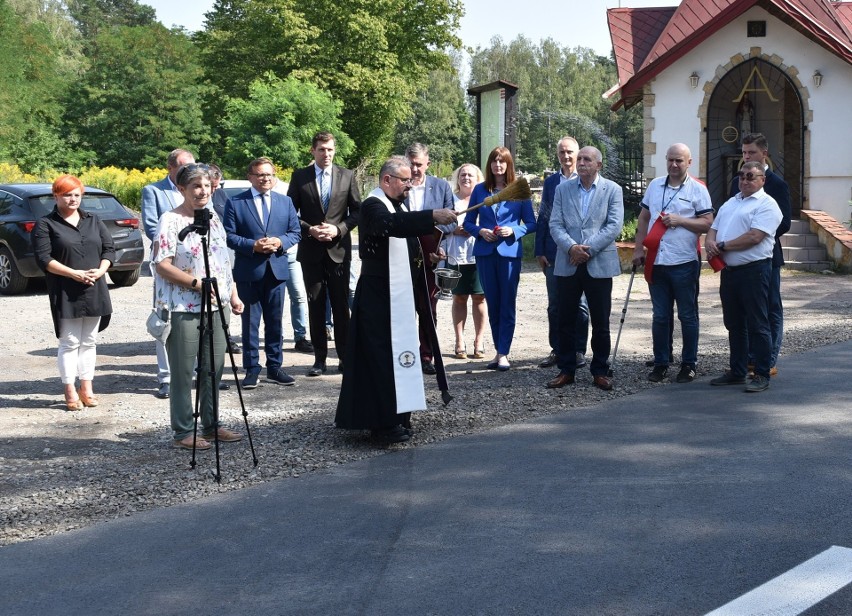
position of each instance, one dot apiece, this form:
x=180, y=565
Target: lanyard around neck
x=663, y=201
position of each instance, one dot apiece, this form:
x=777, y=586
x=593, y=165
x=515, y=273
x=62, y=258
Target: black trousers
x=599, y=296
x=327, y=279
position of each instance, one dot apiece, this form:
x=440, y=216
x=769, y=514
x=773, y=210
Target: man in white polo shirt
x=676, y=210
x=743, y=235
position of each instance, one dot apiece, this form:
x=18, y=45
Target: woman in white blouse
x=180, y=269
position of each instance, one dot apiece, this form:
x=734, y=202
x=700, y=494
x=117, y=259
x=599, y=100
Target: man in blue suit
x=157, y=199
x=261, y=225
x=588, y=213
x=756, y=149
x=427, y=193
x=545, y=254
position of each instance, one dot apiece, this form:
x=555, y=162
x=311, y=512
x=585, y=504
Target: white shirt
x=417, y=197
x=258, y=204
x=739, y=215
x=690, y=200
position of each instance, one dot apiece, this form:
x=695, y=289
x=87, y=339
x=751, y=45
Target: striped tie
x=325, y=191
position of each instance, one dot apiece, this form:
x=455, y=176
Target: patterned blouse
x=187, y=256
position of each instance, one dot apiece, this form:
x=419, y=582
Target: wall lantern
x=817, y=78
x=693, y=79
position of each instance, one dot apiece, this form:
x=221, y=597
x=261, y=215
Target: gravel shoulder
x=61, y=470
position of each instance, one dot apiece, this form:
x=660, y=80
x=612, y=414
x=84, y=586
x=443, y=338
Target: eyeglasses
x=263, y=176
x=749, y=175
x=403, y=180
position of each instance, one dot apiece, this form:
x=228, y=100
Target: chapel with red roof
x=708, y=71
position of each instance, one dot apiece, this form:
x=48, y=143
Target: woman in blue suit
x=498, y=249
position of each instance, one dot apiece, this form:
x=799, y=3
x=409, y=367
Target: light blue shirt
x=325, y=174
x=586, y=195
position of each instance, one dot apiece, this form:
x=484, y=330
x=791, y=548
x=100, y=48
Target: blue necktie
x=325, y=191
x=264, y=209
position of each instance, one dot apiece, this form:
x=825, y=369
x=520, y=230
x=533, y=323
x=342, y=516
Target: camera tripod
x=209, y=290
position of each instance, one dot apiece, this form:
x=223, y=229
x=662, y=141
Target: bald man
x=676, y=210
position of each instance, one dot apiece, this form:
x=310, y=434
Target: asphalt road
x=677, y=500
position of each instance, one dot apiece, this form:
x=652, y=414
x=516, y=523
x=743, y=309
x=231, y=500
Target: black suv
x=22, y=204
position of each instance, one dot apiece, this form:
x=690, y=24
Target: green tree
x=141, y=98
x=279, y=119
x=559, y=93
x=91, y=16
x=371, y=55
x=441, y=119
x=36, y=69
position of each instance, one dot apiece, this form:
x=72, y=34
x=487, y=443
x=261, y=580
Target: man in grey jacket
x=588, y=213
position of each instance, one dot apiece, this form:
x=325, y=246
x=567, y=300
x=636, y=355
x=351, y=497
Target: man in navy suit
x=157, y=199
x=427, y=193
x=588, y=213
x=756, y=149
x=261, y=225
x=545, y=254
x=327, y=200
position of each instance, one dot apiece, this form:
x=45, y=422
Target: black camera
x=200, y=223
x=201, y=220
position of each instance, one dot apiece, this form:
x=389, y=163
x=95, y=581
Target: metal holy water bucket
x=446, y=280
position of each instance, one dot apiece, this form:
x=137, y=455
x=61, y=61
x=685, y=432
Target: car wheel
x=11, y=281
x=126, y=278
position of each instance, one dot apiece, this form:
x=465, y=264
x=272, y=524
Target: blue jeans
x=744, y=291
x=675, y=284
x=298, y=298
x=582, y=337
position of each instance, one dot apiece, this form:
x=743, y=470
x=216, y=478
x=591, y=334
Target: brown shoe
x=225, y=436
x=603, y=382
x=561, y=381
x=773, y=371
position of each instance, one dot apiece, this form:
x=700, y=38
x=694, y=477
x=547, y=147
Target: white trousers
x=77, y=349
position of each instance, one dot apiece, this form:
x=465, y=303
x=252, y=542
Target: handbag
x=158, y=324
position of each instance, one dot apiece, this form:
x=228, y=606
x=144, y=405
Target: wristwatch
x=194, y=283
x=721, y=246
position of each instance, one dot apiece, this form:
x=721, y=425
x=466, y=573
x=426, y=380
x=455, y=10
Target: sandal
x=461, y=353
x=73, y=405
x=86, y=400
x=200, y=443
x=479, y=353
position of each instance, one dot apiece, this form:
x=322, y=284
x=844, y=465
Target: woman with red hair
x=75, y=249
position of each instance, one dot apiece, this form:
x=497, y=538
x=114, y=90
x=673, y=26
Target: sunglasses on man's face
x=749, y=175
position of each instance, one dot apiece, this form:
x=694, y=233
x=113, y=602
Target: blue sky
x=570, y=22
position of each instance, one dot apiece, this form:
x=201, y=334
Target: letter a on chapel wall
x=755, y=73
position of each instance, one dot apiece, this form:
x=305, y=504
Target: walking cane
x=611, y=372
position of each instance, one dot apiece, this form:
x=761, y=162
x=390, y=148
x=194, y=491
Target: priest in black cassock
x=382, y=378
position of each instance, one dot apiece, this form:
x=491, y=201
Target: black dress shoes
x=561, y=381
x=549, y=361
x=428, y=367
x=163, y=391
x=317, y=370
x=386, y=436
x=304, y=346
